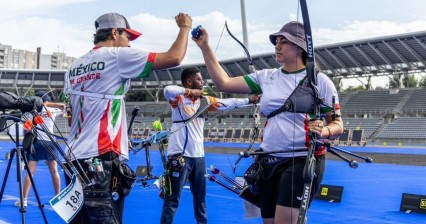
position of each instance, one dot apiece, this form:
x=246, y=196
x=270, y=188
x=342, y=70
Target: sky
x=68, y=25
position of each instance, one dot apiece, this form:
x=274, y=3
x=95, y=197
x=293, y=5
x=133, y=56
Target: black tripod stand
x=145, y=144
x=20, y=157
x=160, y=137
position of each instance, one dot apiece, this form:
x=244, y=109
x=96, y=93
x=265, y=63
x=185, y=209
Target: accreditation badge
x=69, y=201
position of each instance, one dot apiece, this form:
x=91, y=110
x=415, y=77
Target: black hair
x=304, y=56
x=43, y=95
x=188, y=73
x=104, y=34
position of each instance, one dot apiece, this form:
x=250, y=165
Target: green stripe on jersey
x=147, y=70
x=116, y=105
x=255, y=88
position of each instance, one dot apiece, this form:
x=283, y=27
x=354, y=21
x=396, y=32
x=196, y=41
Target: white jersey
x=49, y=115
x=286, y=131
x=190, y=138
x=48, y=121
x=97, y=83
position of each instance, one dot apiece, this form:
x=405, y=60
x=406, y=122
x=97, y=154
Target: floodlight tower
x=243, y=19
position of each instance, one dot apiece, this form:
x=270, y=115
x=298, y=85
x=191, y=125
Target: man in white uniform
x=186, y=147
x=97, y=83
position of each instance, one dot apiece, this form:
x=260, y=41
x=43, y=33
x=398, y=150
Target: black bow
x=249, y=59
x=309, y=168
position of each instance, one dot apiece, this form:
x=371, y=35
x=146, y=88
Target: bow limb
x=256, y=110
x=249, y=59
x=310, y=164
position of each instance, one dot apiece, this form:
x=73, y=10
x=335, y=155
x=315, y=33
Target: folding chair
x=220, y=134
x=237, y=135
x=358, y=137
x=134, y=133
x=212, y=134
x=344, y=137
x=206, y=134
x=228, y=134
x=246, y=135
x=260, y=135
x=146, y=133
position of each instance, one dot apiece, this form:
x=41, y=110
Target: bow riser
x=309, y=168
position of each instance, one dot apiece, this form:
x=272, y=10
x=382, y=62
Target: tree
x=355, y=88
x=337, y=83
x=135, y=95
x=395, y=81
x=403, y=81
x=410, y=81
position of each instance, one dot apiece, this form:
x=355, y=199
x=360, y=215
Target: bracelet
x=185, y=26
x=329, y=132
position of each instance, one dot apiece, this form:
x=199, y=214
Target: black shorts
x=279, y=186
x=42, y=153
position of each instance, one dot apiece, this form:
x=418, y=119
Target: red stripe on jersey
x=117, y=142
x=104, y=141
x=151, y=57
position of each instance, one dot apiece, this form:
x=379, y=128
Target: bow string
x=310, y=164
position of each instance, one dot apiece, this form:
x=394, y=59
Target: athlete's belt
x=272, y=159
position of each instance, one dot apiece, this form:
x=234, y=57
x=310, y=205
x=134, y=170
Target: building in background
x=23, y=59
x=5, y=58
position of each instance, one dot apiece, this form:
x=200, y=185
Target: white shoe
x=18, y=203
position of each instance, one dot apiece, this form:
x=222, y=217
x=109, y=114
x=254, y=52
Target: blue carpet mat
x=372, y=193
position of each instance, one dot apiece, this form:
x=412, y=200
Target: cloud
x=28, y=25
x=31, y=24
x=22, y=6
x=159, y=34
x=51, y=34
x=358, y=30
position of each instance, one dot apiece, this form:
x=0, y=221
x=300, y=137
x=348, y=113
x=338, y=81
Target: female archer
x=281, y=183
